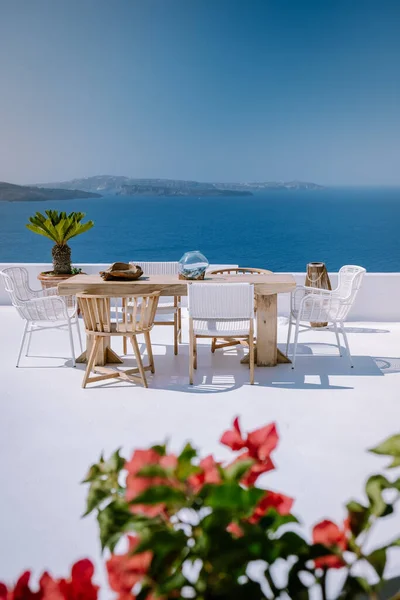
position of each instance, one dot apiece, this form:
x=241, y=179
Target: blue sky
x=201, y=89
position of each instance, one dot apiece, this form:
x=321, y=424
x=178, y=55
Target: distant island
x=128, y=186
x=10, y=192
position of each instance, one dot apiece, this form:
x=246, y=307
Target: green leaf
x=161, y=449
x=114, y=520
x=231, y=496
x=185, y=467
x=166, y=545
x=390, y=447
x=98, y=491
x=291, y=544
x=353, y=587
x=188, y=453
x=358, y=517
x=114, y=464
x=154, y=471
x=161, y=494
x=377, y=559
x=172, y=583
x=374, y=488
x=272, y=521
x=93, y=473
x=238, y=470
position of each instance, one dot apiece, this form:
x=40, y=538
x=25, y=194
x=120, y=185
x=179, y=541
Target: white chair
x=39, y=306
x=220, y=310
x=166, y=307
x=318, y=305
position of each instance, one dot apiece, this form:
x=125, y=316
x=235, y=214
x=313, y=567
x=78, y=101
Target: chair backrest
x=158, y=268
x=137, y=315
x=16, y=283
x=222, y=301
x=240, y=271
x=350, y=279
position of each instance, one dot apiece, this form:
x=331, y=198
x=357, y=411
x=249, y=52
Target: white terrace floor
x=51, y=429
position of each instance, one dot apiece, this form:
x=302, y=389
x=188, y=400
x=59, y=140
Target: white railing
x=378, y=298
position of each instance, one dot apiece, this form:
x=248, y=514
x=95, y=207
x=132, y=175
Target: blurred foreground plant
x=195, y=528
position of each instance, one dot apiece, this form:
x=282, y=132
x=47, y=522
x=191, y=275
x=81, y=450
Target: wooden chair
x=166, y=306
x=220, y=310
x=96, y=312
x=224, y=343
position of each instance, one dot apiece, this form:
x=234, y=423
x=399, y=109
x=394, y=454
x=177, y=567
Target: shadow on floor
x=222, y=371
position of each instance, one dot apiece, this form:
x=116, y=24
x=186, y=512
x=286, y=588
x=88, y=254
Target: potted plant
x=59, y=228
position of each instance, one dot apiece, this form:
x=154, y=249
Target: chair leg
x=251, y=356
x=213, y=344
x=91, y=360
x=79, y=331
x=195, y=352
x=149, y=350
x=191, y=351
x=71, y=342
x=288, y=335
x=296, y=337
x=124, y=345
x=176, y=330
x=22, y=343
x=180, y=322
x=29, y=333
x=136, y=350
x=335, y=327
x=346, y=343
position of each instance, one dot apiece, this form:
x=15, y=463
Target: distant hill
x=10, y=192
x=116, y=184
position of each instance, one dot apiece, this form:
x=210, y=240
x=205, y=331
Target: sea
x=279, y=230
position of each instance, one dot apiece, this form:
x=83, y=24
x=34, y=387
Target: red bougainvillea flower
x=136, y=485
x=78, y=587
x=125, y=570
x=209, y=474
x=330, y=535
x=259, y=444
x=235, y=529
x=233, y=437
x=281, y=503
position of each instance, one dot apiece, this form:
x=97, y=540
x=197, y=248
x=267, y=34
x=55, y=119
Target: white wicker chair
x=39, y=306
x=318, y=305
x=220, y=310
x=165, y=307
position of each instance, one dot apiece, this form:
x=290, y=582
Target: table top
x=171, y=285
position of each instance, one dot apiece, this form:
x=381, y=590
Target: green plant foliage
x=185, y=511
x=58, y=226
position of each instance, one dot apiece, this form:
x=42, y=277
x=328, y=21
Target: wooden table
x=266, y=288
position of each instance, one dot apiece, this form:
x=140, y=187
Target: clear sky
x=212, y=90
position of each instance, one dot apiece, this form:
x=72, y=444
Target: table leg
x=105, y=354
x=267, y=330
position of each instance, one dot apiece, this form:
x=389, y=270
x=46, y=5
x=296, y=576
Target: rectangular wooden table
x=266, y=288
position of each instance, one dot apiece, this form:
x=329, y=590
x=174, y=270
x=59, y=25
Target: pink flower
x=235, y=530
x=125, y=570
x=233, y=437
x=78, y=587
x=281, y=503
x=259, y=444
x=209, y=474
x=136, y=484
x=330, y=535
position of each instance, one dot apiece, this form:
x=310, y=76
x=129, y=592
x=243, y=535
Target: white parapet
x=378, y=299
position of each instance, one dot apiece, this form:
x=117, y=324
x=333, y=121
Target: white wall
x=378, y=298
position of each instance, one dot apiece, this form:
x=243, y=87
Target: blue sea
x=279, y=230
